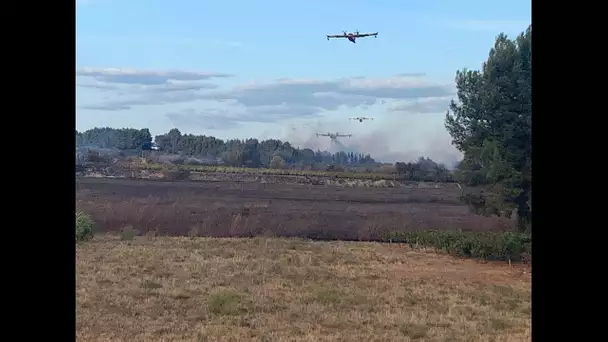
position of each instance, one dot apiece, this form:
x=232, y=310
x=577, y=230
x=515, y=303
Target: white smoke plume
x=385, y=141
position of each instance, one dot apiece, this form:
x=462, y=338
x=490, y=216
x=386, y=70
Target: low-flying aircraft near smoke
x=361, y=118
x=334, y=136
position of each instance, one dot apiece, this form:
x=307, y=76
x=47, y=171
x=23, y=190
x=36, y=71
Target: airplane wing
x=321, y=134
x=366, y=34
x=336, y=36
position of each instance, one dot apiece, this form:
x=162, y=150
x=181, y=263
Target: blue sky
x=264, y=69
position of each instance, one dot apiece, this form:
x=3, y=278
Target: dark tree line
x=491, y=125
x=119, y=138
x=252, y=152
x=424, y=169
x=249, y=153
x=272, y=153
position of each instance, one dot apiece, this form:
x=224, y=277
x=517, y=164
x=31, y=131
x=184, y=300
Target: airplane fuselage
x=352, y=37
x=333, y=136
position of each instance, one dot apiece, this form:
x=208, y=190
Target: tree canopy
x=234, y=152
x=176, y=148
x=119, y=138
x=491, y=125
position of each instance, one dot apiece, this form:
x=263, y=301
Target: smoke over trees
x=252, y=152
x=424, y=169
x=491, y=125
x=177, y=148
x=235, y=152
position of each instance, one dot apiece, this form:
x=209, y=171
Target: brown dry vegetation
x=268, y=289
x=221, y=208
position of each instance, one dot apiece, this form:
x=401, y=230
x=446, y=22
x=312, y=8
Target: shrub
x=128, y=233
x=84, y=227
x=483, y=245
x=225, y=303
x=277, y=162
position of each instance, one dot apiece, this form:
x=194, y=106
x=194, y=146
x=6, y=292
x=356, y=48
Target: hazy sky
x=264, y=69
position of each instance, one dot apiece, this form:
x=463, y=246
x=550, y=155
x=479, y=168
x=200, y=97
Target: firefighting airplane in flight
x=361, y=118
x=334, y=136
x=353, y=36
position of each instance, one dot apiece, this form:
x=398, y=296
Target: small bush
x=225, y=303
x=483, y=245
x=128, y=233
x=84, y=227
x=277, y=163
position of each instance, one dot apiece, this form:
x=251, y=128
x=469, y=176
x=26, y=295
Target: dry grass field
x=273, y=289
x=243, y=209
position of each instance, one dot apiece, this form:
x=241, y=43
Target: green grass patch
x=509, y=246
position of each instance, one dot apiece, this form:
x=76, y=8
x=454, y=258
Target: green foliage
x=84, y=227
x=483, y=245
x=491, y=125
x=253, y=153
x=424, y=169
x=106, y=137
x=189, y=150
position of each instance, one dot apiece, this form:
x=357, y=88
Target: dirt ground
x=272, y=289
x=222, y=208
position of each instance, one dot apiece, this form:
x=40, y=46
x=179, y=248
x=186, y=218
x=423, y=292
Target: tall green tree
x=491, y=124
